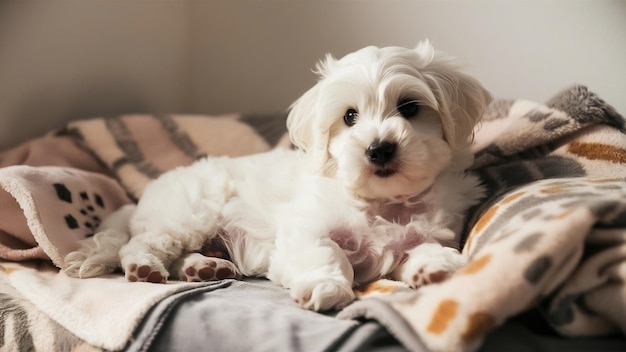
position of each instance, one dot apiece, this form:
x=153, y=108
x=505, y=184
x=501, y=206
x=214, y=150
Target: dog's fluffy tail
x=99, y=255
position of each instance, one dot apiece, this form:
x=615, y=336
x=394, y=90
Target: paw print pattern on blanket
x=51, y=208
x=89, y=214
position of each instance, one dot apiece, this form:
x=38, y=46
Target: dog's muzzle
x=381, y=154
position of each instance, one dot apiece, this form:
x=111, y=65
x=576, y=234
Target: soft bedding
x=549, y=238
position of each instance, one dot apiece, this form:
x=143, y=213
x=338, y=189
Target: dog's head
x=386, y=121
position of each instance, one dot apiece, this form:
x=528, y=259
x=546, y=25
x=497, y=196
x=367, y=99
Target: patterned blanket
x=551, y=235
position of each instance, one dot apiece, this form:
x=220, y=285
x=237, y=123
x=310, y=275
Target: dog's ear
x=461, y=99
x=301, y=119
x=306, y=129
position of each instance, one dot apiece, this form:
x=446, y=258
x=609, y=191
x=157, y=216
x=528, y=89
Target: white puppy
x=377, y=188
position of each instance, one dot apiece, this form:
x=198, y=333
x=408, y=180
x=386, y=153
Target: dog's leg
x=177, y=214
x=98, y=255
x=317, y=272
x=148, y=254
x=145, y=257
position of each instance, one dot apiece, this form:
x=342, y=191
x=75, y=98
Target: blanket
x=25, y=328
x=90, y=173
x=550, y=235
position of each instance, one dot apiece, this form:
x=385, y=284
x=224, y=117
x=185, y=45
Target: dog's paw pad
x=421, y=278
x=429, y=265
x=144, y=273
x=437, y=276
x=201, y=268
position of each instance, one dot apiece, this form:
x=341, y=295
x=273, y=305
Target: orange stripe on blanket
x=485, y=218
x=476, y=265
x=597, y=151
x=480, y=225
x=446, y=311
x=512, y=197
x=553, y=190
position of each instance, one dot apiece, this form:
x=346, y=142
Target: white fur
x=324, y=218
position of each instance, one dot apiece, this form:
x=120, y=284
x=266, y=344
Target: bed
x=99, y=97
x=547, y=246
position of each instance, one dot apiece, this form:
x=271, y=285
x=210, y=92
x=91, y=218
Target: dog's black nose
x=380, y=153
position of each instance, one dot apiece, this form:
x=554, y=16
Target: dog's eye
x=408, y=108
x=350, y=117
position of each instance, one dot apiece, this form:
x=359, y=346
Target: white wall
x=68, y=59
x=257, y=55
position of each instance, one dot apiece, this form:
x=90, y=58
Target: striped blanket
x=550, y=236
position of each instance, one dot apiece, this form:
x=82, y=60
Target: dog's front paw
x=323, y=294
x=197, y=267
x=79, y=264
x=429, y=263
x=97, y=255
x=74, y=263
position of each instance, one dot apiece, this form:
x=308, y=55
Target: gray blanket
x=250, y=315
